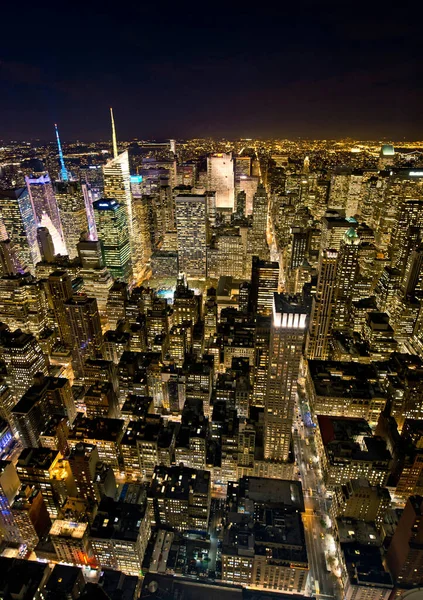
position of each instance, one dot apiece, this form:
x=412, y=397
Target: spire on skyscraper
x=64, y=175
x=114, y=142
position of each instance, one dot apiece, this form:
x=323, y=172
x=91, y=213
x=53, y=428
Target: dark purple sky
x=218, y=68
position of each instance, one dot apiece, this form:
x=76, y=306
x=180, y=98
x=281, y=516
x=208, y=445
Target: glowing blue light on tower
x=64, y=176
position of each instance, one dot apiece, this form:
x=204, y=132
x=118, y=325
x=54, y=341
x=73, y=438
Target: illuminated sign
x=136, y=178
x=416, y=173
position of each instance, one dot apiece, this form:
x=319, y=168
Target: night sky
x=215, y=68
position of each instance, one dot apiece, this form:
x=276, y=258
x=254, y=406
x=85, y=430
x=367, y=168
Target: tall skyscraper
x=73, y=214
x=321, y=313
x=59, y=290
x=112, y=230
x=18, y=217
x=346, y=276
x=191, y=228
x=221, y=179
x=46, y=210
x=286, y=342
x=24, y=358
x=264, y=283
x=257, y=239
x=117, y=184
x=85, y=330
x=45, y=243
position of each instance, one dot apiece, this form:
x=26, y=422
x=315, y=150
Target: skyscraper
x=18, y=217
x=286, y=342
x=60, y=289
x=346, y=276
x=112, y=230
x=191, y=228
x=221, y=179
x=85, y=330
x=24, y=358
x=322, y=308
x=264, y=283
x=117, y=184
x=258, y=241
x=73, y=214
x=46, y=210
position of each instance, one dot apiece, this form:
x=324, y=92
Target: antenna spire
x=114, y=142
x=64, y=175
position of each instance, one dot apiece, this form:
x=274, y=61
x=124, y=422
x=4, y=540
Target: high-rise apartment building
x=221, y=179
x=18, y=217
x=112, y=229
x=286, y=343
x=191, y=226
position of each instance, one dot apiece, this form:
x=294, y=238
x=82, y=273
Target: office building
x=348, y=450
x=117, y=185
x=317, y=346
x=286, y=343
x=19, y=221
x=73, y=214
x=405, y=553
x=46, y=211
x=119, y=536
x=221, y=179
x=71, y=543
x=112, y=229
x=180, y=498
x=264, y=283
x=85, y=330
x=48, y=471
x=257, y=242
x=24, y=358
x=191, y=226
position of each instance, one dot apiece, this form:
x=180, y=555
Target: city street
x=321, y=582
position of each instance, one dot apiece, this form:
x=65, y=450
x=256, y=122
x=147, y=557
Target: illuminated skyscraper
x=321, y=313
x=112, y=230
x=73, y=214
x=191, y=227
x=346, y=276
x=46, y=210
x=23, y=358
x=97, y=278
x=85, y=330
x=221, y=179
x=117, y=184
x=60, y=289
x=18, y=217
x=286, y=342
x=258, y=241
x=264, y=283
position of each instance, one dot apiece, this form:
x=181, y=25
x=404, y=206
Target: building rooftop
x=364, y=566
x=117, y=520
x=68, y=529
x=178, y=482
